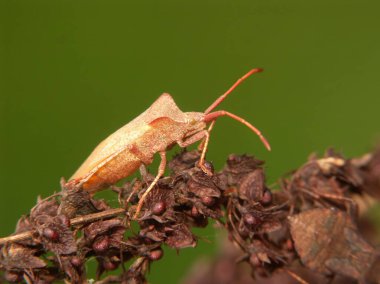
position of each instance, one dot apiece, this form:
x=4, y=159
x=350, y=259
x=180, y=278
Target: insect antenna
x=230, y=90
x=212, y=116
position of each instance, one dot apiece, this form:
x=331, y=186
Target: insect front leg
x=195, y=138
x=161, y=171
x=192, y=139
x=204, y=146
x=204, y=134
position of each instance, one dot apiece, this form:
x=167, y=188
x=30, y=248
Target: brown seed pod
x=208, y=200
x=109, y=265
x=76, y=261
x=101, y=244
x=159, y=208
x=156, y=254
x=195, y=212
x=267, y=198
x=50, y=234
x=209, y=166
x=251, y=220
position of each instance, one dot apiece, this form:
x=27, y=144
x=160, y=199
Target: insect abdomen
x=122, y=165
x=155, y=137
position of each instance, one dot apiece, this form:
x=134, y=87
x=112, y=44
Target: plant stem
x=74, y=222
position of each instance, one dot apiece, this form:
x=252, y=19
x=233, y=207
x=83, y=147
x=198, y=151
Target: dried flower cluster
x=308, y=232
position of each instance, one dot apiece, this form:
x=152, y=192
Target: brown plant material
x=309, y=232
x=328, y=241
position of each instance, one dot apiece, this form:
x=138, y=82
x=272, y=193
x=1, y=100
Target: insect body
x=161, y=126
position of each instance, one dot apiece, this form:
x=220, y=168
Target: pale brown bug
x=158, y=128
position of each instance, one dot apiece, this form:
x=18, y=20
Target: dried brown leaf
x=180, y=237
x=328, y=241
x=15, y=256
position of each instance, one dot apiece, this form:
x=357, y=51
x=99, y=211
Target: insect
x=157, y=129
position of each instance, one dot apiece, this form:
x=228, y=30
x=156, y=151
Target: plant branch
x=74, y=222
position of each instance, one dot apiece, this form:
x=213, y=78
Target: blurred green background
x=72, y=72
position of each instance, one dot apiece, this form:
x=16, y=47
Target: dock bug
x=158, y=128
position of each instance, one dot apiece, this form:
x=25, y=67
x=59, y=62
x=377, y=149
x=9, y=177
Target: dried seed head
x=109, y=265
x=267, y=197
x=209, y=167
x=76, y=261
x=208, y=200
x=50, y=234
x=251, y=220
x=159, y=208
x=102, y=244
x=156, y=254
x=194, y=212
x=252, y=185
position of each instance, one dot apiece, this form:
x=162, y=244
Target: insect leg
x=192, y=139
x=161, y=171
x=135, y=187
x=204, y=146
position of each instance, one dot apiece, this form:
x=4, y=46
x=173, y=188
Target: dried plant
x=310, y=231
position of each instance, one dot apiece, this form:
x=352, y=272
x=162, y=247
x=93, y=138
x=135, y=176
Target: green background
x=72, y=72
